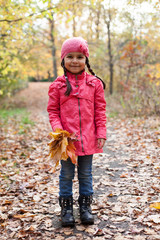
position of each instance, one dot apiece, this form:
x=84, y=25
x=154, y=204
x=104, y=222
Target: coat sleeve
x=53, y=107
x=100, y=111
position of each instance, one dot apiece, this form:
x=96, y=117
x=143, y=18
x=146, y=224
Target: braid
x=91, y=71
x=69, y=88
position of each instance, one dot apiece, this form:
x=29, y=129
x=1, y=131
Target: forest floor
x=125, y=177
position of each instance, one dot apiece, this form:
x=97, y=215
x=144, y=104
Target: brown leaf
x=37, y=198
x=52, y=189
x=48, y=222
x=26, y=215
x=124, y=175
x=154, y=218
x=7, y=202
x=68, y=232
x=98, y=232
x=90, y=230
x=61, y=146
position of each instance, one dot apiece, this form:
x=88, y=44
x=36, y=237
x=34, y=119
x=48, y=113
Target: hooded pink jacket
x=83, y=112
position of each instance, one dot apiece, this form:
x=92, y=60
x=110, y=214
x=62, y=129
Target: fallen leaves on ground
x=126, y=185
x=125, y=179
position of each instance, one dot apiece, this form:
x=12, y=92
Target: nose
x=74, y=59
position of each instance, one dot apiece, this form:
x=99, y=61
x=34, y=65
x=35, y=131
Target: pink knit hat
x=75, y=44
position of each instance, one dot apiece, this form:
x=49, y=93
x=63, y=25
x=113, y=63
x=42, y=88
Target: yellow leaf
x=61, y=146
x=155, y=205
x=26, y=215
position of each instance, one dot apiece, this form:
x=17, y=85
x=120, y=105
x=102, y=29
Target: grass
x=26, y=120
x=6, y=113
x=20, y=116
x=113, y=114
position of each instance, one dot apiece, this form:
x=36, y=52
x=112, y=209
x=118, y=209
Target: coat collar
x=73, y=77
x=83, y=76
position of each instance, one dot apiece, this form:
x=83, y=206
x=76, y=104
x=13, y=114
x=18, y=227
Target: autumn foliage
x=61, y=146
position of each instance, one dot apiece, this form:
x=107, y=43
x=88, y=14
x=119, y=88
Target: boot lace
x=85, y=205
x=66, y=204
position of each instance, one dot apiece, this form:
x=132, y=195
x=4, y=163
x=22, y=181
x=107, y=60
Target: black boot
x=85, y=209
x=66, y=211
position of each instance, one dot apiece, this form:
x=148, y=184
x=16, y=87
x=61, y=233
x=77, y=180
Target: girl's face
x=74, y=62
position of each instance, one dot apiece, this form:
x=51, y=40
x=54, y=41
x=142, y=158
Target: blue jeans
x=84, y=176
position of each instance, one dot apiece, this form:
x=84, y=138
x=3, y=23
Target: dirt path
x=35, y=98
x=126, y=181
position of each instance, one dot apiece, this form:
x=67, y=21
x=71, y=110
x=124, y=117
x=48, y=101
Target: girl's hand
x=101, y=142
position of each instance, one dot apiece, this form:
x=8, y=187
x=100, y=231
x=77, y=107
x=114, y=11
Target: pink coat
x=83, y=112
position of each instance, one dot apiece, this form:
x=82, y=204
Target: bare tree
x=53, y=47
x=107, y=20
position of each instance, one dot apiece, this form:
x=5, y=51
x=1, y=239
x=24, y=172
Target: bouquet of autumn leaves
x=61, y=146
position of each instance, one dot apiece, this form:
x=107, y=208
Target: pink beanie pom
x=75, y=44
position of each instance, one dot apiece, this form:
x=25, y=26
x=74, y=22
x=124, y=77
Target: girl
x=77, y=104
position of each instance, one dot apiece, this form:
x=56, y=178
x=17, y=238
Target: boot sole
x=68, y=224
x=87, y=222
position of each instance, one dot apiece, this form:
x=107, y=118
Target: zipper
x=80, y=120
x=80, y=125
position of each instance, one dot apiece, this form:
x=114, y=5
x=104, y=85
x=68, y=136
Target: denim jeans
x=67, y=173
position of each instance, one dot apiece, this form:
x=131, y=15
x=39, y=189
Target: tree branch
x=30, y=15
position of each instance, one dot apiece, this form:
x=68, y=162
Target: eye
x=80, y=57
x=69, y=56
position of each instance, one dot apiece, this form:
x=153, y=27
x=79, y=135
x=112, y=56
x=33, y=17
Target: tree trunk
x=97, y=22
x=128, y=75
x=74, y=27
x=108, y=24
x=53, y=47
x=110, y=55
x=74, y=21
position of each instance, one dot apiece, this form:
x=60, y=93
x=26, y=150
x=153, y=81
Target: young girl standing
x=77, y=104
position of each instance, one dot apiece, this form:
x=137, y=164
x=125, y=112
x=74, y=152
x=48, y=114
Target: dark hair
x=69, y=88
x=91, y=71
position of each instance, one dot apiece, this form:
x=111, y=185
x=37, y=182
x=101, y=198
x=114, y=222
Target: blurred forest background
x=123, y=38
